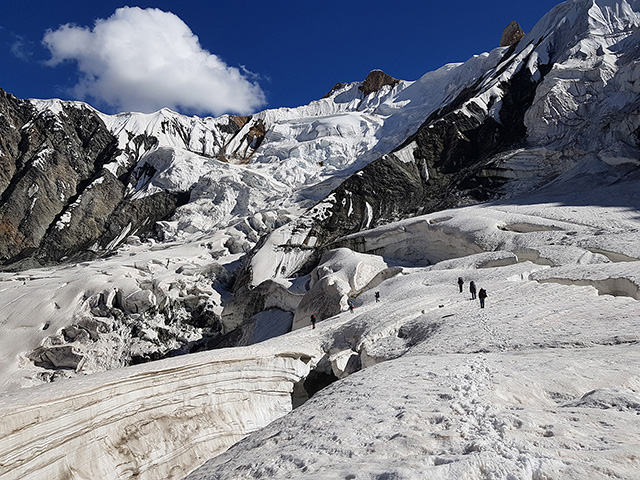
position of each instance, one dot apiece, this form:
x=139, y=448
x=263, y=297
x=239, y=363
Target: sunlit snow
x=541, y=383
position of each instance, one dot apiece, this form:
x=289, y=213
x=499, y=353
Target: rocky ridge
x=511, y=35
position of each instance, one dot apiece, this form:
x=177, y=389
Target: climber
x=351, y=305
x=377, y=297
x=460, y=283
x=313, y=321
x=472, y=289
x=482, y=294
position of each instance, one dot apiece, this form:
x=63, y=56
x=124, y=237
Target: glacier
x=541, y=383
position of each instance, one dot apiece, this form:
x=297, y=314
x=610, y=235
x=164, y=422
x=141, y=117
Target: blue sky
x=247, y=56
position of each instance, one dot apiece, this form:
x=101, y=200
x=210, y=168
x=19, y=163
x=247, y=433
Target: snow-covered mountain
x=80, y=184
x=560, y=103
x=138, y=237
x=215, y=171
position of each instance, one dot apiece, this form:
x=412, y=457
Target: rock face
x=71, y=177
x=442, y=165
x=375, y=81
x=58, y=198
x=46, y=167
x=511, y=35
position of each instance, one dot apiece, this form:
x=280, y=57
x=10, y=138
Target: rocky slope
x=61, y=197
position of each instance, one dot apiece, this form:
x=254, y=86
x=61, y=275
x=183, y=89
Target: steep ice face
x=589, y=84
x=90, y=430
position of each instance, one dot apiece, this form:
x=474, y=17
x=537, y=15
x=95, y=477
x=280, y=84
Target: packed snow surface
x=541, y=383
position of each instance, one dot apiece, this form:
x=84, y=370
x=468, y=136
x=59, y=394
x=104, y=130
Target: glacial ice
x=542, y=383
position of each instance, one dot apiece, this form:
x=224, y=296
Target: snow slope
x=276, y=162
x=541, y=383
x=578, y=65
x=475, y=416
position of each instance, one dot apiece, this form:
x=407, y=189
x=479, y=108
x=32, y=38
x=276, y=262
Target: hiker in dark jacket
x=377, y=297
x=482, y=294
x=313, y=321
x=472, y=289
x=460, y=283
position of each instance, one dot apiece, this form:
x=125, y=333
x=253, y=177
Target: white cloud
x=143, y=60
x=21, y=49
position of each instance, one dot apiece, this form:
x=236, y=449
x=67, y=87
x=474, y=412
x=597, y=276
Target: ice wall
x=158, y=420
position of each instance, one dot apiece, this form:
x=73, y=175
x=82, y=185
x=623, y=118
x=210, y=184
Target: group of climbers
x=481, y=296
x=482, y=293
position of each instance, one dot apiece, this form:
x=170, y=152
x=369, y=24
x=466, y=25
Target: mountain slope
x=549, y=112
x=557, y=104
x=223, y=170
x=540, y=383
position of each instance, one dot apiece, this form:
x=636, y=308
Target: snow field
x=432, y=386
x=492, y=415
x=539, y=384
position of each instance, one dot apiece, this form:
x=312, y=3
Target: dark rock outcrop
x=375, y=81
x=249, y=143
x=511, y=35
x=57, y=199
x=48, y=162
x=67, y=183
x=337, y=86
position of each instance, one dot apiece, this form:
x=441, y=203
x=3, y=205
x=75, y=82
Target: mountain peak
x=511, y=34
x=336, y=87
x=375, y=81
